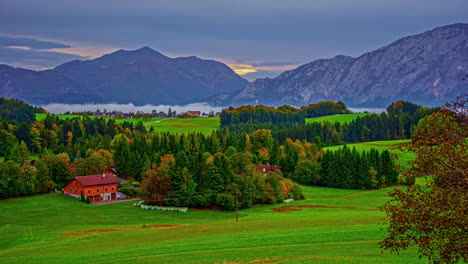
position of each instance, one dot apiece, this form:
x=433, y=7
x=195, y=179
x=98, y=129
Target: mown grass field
x=345, y=118
x=184, y=125
x=118, y=120
x=403, y=157
x=330, y=226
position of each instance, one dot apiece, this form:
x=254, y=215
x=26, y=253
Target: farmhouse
x=161, y=114
x=100, y=187
x=111, y=169
x=194, y=113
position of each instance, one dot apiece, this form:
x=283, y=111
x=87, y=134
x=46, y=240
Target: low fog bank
x=126, y=108
x=56, y=108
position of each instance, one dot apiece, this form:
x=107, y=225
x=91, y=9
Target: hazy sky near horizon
x=259, y=38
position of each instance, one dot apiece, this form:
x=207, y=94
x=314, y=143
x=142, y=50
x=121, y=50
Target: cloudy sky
x=257, y=38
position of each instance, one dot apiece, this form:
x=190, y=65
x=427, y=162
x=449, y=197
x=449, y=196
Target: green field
x=403, y=157
x=336, y=118
x=184, y=125
x=118, y=120
x=54, y=228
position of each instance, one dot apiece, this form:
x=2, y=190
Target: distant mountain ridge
x=142, y=76
x=424, y=68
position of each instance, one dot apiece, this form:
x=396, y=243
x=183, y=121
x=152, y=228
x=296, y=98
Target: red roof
x=267, y=168
x=98, y=179
x=194, y=112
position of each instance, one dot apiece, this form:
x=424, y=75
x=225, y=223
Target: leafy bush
x=226, y=201
x=297, y=192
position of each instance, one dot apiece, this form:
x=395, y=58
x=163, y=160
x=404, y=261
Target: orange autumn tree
x=434, y=217
x=157, y=182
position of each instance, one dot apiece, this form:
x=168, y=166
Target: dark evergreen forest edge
x=197, y=170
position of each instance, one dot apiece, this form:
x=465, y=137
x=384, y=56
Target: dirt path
x=292, y=208
x=157, y=121
x=89, y=232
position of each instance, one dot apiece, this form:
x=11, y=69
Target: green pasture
x=330, y=226
x=344, y=118
x=184, y=125
x=403, y=158
x=118, y=120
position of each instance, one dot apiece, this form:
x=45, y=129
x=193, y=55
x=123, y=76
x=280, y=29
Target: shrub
x=226, y=201
x=297, y=192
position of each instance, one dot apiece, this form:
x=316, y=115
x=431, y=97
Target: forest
x=199, y=170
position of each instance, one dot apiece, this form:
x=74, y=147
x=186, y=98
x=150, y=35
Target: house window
x=71, y=190
x=76, y=183
x=105, y=189
x=76, y=190
x=97, y=190
x=89, y=191
x=112, y=188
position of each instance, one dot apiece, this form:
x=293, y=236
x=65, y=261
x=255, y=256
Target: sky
x=256, y=38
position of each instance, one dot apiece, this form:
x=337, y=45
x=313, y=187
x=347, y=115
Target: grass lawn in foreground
x=344, y=118
x=330, y=226
x=204, y=125
x=403, y=157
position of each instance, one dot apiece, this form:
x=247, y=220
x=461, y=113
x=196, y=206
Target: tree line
x=250, y=118
x=398, y=124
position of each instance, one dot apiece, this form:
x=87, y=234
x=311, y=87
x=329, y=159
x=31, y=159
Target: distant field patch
x=344, y=118
x=403, y=157
x=204, y=125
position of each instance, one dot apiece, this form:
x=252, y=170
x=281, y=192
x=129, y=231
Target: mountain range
x=426, y=68
x=142, y=76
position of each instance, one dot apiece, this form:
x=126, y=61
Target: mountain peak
x=125, y=56
x=147, y=50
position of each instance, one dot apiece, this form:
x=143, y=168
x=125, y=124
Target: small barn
x=100, y=187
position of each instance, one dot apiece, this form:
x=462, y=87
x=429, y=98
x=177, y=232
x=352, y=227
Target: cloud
x=34, y=59
x=35, y=54
x=8, y=41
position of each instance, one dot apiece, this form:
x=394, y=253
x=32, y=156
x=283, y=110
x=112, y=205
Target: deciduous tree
x=434, y=217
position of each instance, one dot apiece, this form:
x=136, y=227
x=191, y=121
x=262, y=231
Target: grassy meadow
x=204, y=125
x=344, y=118
x=330, y=226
